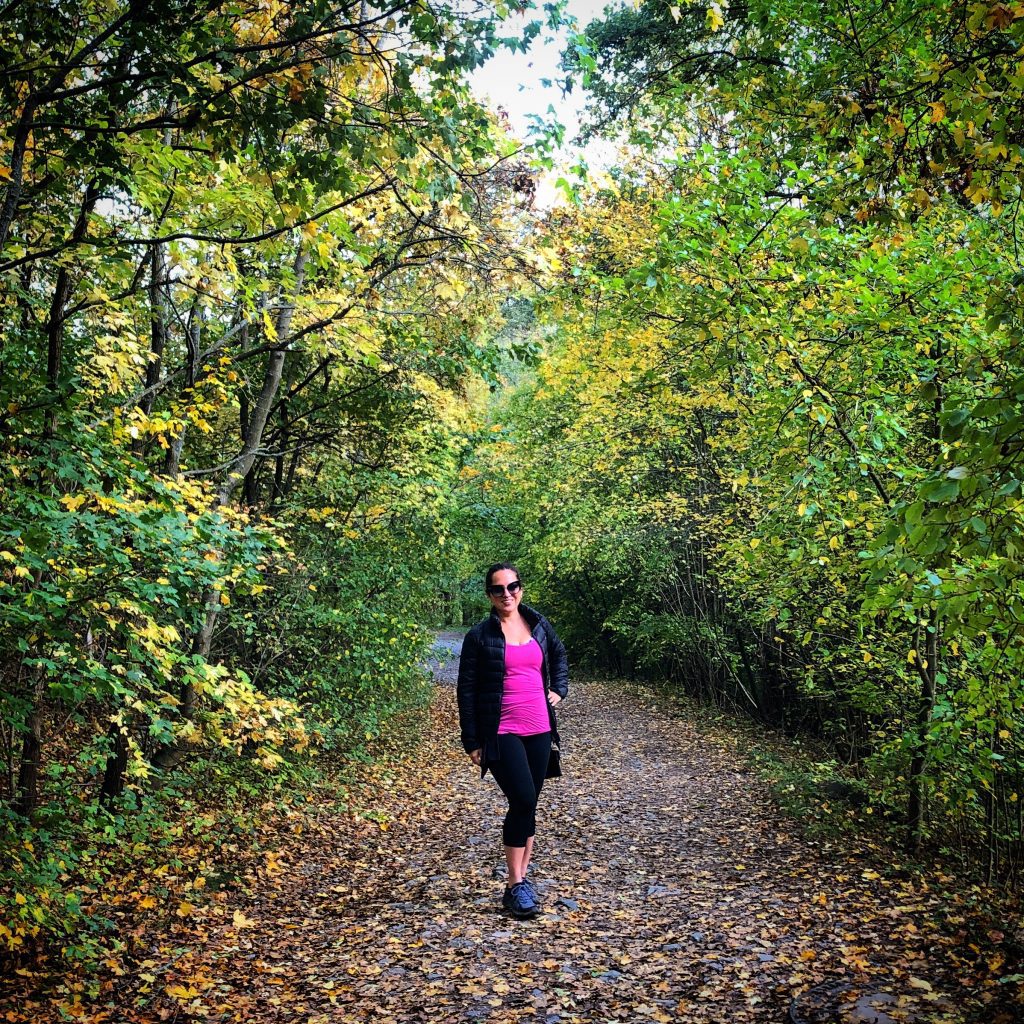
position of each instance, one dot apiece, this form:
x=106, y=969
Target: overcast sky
x=512, y=81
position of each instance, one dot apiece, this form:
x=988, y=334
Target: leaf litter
x=673, y=889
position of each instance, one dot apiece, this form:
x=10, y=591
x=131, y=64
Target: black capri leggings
x=520, y=773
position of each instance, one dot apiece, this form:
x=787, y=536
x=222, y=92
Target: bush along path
x=673, y=891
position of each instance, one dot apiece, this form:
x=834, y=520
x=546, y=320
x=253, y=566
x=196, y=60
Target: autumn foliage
x=288, y=354
x=781, y=409
x=245, y=251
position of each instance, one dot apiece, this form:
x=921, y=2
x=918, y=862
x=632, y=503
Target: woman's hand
x=553, y=698
x=476, y=756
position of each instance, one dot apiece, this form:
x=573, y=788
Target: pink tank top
x=524, y=708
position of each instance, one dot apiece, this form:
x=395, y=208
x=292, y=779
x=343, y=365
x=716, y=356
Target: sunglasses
x=497, y=589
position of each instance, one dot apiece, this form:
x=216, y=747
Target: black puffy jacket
x=482, y=679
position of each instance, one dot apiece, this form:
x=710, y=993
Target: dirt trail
x=672, y=892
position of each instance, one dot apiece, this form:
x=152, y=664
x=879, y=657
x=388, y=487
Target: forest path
x=672, y=892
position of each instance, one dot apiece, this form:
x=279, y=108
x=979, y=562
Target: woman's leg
x=538, y=751
x=515, y=859
x=527, y=854
x=513, y=774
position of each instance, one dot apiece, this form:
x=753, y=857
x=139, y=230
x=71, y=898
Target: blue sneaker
x=532, y=890
x=519, y=901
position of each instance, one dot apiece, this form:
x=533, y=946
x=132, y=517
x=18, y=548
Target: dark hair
x=497, y=567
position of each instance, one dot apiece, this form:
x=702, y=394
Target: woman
x=512, y=673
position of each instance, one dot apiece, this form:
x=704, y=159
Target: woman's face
x=502, y=600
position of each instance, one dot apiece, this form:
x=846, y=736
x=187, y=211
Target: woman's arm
x=558, y=668
x=465, y=692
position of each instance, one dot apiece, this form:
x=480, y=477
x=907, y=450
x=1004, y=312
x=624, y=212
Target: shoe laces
x=523, y=889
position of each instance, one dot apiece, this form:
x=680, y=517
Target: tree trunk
x=925, y=706
x=289, y=481
x=117, y=762
x=158, y=336
x=210, y=600
x=26, y=797
x=19, y=148
x=62, y=289
x=929, y=670
x=193, y=336
x=277, y=490
x=271, y=382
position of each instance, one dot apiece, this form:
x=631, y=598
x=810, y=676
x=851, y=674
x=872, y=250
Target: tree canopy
x=782, y=395
x=248, y=252
x=288, y=353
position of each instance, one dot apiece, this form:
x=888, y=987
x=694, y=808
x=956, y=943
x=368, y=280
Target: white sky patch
x=515, y=82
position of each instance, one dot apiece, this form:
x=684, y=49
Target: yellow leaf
x=938, y=111
x=808, y=954
x=180, y=992
x=977, y=193
x=239, y=920
x=754, y=542
x=184, y=909
x=714, y=18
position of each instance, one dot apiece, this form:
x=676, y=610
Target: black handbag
x=555, y=758
x=554, y=763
